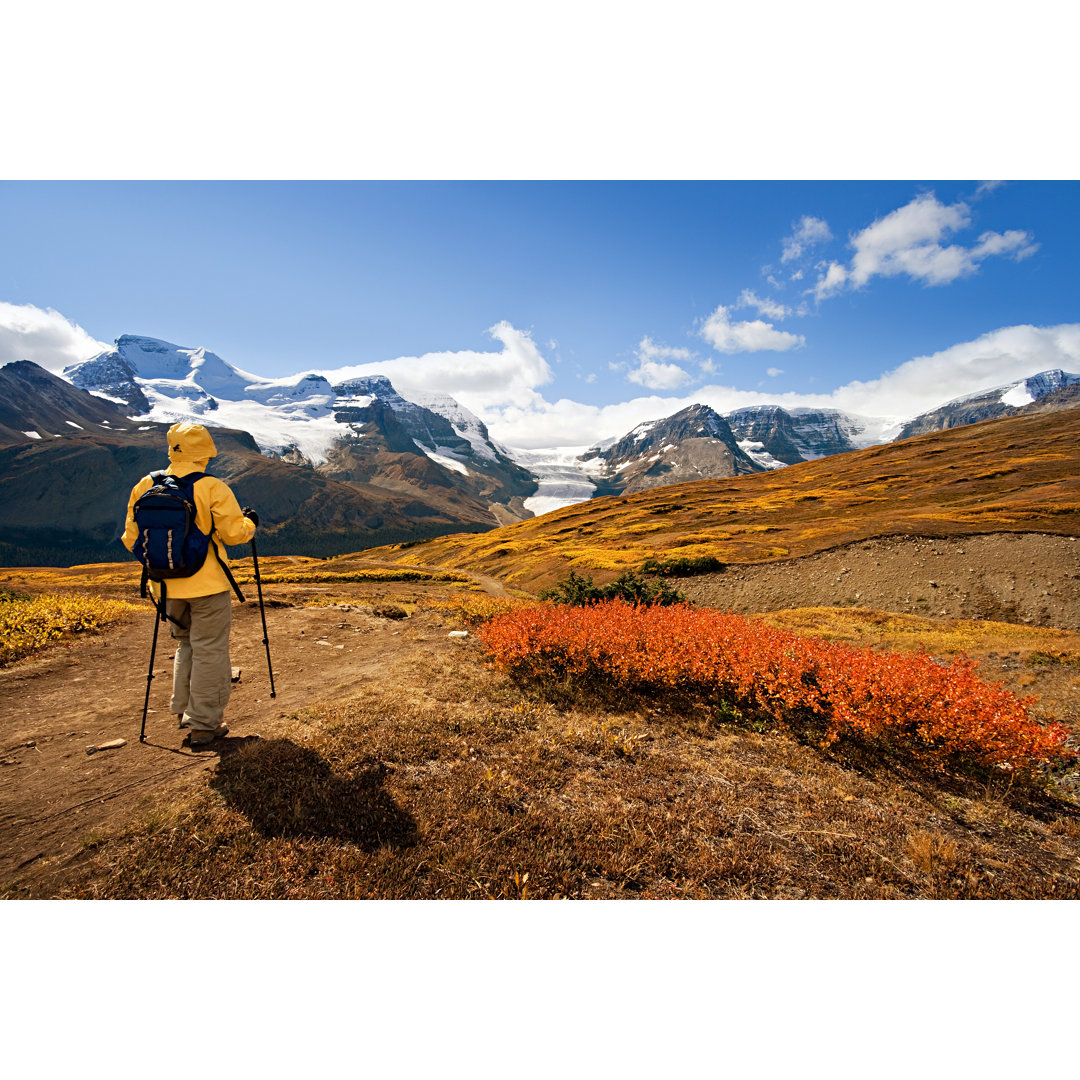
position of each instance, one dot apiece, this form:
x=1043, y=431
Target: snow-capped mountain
x=693, y=444
x=353, y=431
x=989, y=404
x=670, y=449
x=346, y=427
x=443, y=448
x=775, y=437
x=164, y=382
x=305, y=418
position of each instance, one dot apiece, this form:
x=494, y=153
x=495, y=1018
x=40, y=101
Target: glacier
x=562, y=477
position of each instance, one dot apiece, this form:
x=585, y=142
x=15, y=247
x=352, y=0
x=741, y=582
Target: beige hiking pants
x=202, y=673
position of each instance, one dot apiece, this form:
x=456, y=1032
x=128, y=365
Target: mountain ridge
x=297, y=417
x=1005, y=400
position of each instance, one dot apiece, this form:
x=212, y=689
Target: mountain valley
x=339, y=463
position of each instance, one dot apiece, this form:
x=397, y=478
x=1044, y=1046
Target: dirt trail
x=52, y=708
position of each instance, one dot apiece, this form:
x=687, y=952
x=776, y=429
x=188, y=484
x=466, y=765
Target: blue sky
x=614, y=298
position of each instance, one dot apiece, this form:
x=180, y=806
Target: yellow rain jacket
x=216, y=508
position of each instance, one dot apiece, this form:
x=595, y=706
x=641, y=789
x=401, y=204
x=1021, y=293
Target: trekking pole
x=262, y=610
x=150, y=675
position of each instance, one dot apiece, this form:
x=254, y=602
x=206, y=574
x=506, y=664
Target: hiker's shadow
x=286, y=790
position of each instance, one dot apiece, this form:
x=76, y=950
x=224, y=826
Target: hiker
x=198, y=607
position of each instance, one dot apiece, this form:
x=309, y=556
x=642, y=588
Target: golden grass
x=472, y=610
x=942, y=637
x=28, y=626
x=125, y=575
x=332, y=577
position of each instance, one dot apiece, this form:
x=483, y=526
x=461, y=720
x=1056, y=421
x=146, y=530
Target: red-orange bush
x=940, y=712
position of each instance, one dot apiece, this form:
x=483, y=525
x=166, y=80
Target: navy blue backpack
x=170, y=544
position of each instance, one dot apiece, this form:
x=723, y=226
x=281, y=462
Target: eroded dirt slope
x=1010, y=577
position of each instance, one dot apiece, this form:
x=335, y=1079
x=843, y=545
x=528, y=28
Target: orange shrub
x=833, y=691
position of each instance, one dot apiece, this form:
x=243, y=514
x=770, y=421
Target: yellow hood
x=190, y=448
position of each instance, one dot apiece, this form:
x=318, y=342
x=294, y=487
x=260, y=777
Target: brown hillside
x=73, y=491
x=1020, y=474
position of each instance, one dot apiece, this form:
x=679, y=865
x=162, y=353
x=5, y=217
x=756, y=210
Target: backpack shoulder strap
x=224, y=566
x=192, y=479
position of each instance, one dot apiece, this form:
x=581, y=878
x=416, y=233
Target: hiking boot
x=204, y=738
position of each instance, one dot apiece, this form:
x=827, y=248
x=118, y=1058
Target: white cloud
x=655, y=369
x=768, y=307
x=831, y=281
x=43, y=336
x=808, y=232
x=479, y=380
x=987, y=186
x=909, y=241
x=658, y=376
x=774, y=371
x=649, y=350
x=1013, y=242
x=756, y=336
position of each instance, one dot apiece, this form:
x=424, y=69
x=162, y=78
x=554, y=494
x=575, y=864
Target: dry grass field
x=429, y=774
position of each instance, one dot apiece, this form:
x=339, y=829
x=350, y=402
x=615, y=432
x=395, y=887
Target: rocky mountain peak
x=692, y=444
x=774, y=436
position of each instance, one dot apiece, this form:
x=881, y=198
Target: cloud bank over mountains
x=504, y=386
x=511, y=404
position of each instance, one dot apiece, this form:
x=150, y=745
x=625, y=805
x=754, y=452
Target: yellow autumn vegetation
x=941, y=637
x=29, y=625
x=331, y=577
x=472, y=609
